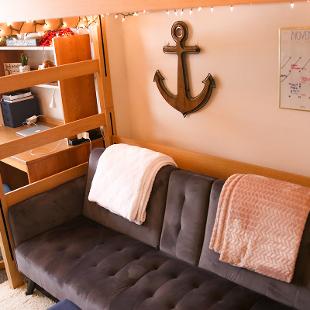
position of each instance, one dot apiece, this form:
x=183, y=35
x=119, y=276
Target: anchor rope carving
x=183, y=101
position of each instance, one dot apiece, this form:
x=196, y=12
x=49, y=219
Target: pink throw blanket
x=259, y=224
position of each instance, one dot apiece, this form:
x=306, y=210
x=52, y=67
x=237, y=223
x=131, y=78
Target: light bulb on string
x=199, y=9
x=211, y=9
x=191, y=12
x=168, y=12
x=144, y=11
x=175, y=12
x=123, y=19
x=231, y=8
x=182, y=12
x=116, y=16
x=135, y=14
x=292, y=5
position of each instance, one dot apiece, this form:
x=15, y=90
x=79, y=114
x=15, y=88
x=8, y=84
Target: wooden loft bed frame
x=97, y=67
x=214, y=166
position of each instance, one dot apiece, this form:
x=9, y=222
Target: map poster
x=295, y=68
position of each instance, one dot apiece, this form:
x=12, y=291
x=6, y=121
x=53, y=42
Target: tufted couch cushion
x=295, y=294
x=185, y=215
x=150, y=231
x=97, y=268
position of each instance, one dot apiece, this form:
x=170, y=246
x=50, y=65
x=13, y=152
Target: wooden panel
x=78, y=94
x=59, y=161
x=27, y=79
x=14, y=162
x=215, y=166
x=103, y=79
x=54, y=134
x=44, y=185
x=12, y=176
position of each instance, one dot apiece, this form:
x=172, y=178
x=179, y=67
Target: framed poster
x=295, y=68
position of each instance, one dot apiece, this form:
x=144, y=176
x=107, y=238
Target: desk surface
x=46, y=160
x=21, y=160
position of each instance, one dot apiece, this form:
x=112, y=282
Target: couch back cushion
x=295, y=294
x=150, y=231
x=185, y=216
x=47, y=210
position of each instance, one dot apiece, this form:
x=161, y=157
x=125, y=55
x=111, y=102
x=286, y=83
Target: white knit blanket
x=124, y=179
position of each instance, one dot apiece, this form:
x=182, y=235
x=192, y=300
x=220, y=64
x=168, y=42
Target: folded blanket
x=259, y=224
x=124, y=179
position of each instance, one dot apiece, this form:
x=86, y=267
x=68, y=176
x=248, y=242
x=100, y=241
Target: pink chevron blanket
x=259, y=224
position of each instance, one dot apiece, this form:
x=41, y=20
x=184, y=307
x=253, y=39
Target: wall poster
x=295, y=68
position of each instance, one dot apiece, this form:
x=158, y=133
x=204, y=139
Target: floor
x=17, y=299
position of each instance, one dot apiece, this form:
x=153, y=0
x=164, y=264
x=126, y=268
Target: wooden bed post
x=104, y=79
x=14, y=277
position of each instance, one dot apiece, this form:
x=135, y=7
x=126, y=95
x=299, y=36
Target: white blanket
x=124, y=179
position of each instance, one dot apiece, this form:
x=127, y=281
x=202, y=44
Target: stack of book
x=17, y=107
x=17, y=96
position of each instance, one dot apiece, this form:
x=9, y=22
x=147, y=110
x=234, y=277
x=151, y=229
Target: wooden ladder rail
x=24, y=80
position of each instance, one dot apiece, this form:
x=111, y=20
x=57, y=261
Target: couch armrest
x=47, y=210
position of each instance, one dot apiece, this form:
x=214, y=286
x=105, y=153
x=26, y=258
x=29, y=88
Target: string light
x=123, y=16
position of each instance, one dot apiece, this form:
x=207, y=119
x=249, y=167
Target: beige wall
x=243, y=120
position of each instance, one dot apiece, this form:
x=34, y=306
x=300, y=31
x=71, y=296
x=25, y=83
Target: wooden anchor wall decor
x=183, y=101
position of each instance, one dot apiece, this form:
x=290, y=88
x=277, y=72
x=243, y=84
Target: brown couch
x=77, y=250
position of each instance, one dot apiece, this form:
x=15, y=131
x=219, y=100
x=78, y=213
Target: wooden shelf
x=26, y=48
x=54, y=85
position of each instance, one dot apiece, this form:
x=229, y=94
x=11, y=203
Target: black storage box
x=15, y=113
